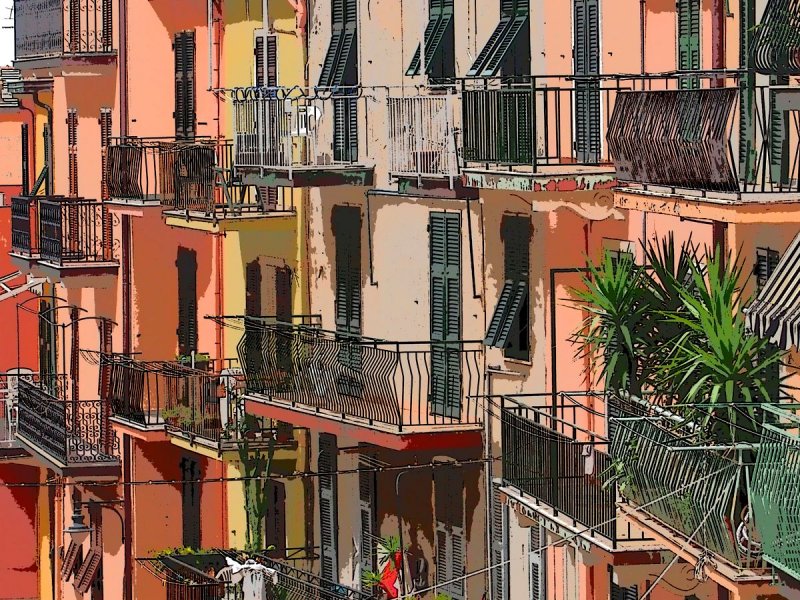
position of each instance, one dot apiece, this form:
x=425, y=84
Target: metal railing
x=45, y=28
x=693, y=488
x=72, y=432
x=422, y=135
x=775, y=489
x=73, y=230
x=289, y=128
x=184, y=175
x=302, y=585
x=398, y=384
x=555, y=455
x=24, y=225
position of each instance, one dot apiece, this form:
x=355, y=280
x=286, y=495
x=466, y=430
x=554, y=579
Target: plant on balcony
x=674, y=331
x=390, y=559
x=182, y=416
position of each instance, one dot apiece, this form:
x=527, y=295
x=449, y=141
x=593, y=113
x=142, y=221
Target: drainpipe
x=642, y=31
x=123, y=68
x=48, y=151
x=718, y=13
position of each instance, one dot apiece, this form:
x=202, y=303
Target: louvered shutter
x=105, y=142
x=187, y=300
x=510, y=39
x=439, y=40
x=747, y=93
x=536, y=575
x=445, y=313
x=47, y=342
x=85, y=576
x=689, y=41
x=450, y=540
x=366, y=501
x=190, y=493
x=778, y=137
x=275, y=519
x=70, y=559
x=252, y=332
x=347, y=232
x=271, y=60
x=328, y=508
x=340, y=66
x=283, y=312
x=624, y=593
x=587, y=93
x=345, y=132
x=258, y=52
x=72, y=150
x=766, y=263
x=499, y=547
x=185, y=100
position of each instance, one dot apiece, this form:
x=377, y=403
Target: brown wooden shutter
x=185, y=102
x=187, y=300
x=72, y=150
x=328, y=507
x=258, y=53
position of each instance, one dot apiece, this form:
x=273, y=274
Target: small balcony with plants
x=691, y=383
x=201, y=404
x=292, y=137
x=192, y=180
x=403, y=393
x=49, y=33
x=71, y=435
x=62, y=237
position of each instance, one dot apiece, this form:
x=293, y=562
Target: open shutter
x=185, y=101
x=689, y=41
x=340, y=66
x=439, y=40
x=85, y=576
x=536, y=574
x=70, y=559
x=105, y=142
x=513, y=28
x=445, y=315
x=587, y=93
x=366, y=500
x=499, y=547
x=187, y=300
x=624, y=593
x=328, y=508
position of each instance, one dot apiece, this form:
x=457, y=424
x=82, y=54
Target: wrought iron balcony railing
x=24, y=226
x=556, y=457
x=187, y=401
x=69, y=432
x=400, y=385
x=775, y=490
x=286, y=129
x=52, y=28
x=184, y=175
x=422, y=136
x=73, y=230
x=697, y=490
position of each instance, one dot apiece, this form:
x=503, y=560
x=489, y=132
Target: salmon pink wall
x=19, y=540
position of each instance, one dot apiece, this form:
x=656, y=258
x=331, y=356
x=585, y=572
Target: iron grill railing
x=73, y=432
x=556, y=457
x=775, y=489
x=73, y=230
x=302, y=585
x=24, y=225
x=699, y=492
x=47, y=28
x=422, y=136
x=395, y=384
x=289, y=129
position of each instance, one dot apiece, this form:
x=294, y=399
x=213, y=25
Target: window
x=190, y=495
x=508, y=48
x=586, y=27
x=445, y=313
x=327, y=462
x=72, y=150
x=450, y=544
x=689, y=41
x=187, y=301
x=346, y=222
x=185, y=103
x=766, y=263
x=275, y=519
x=265, y=52
x=367, y=508
x=439, y=40
x=509, y=328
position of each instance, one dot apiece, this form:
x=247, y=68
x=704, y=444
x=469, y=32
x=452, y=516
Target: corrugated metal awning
x=775, y=314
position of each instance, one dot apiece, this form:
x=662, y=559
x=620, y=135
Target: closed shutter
x=766, y=263
x=347, y=232
x=265, y=52
x=345, y=129
x=187, y=300
x=445, y=313
x=366, y=502
x=258, y=53
x=689, y=41
x=747, y=91
x=328, y=508
x=275, y=519
x=75, y=26
x=778, y=137
x=499, y=547
x=253, y=333
x=587, y=93
x=450, y=540
x=72, y=151
x=536, y=574
x=105, y=142
x=185, y=102
x=624, y=593
x=47, y=342
x=190, y=495
x=252, y=280
x=283, y=312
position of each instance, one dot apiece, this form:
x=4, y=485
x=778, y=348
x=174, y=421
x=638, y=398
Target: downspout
x=718, y=13
x=123, y=68
x=48, y=151
x=642, y=32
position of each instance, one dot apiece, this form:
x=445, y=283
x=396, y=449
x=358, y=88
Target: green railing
x=695, y=489
x=775, y=490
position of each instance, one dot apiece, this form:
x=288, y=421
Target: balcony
x=555, y=463
x=675, y=148
x=691, y=495
x=423, y=142
x=61, y=236
x=774, y=490
x=71, y=436
x=63, y=32
x=397, y=394
x=296, y=138
x=189, y=179
x=202, y=576
x=153, y=398
x=540, y=134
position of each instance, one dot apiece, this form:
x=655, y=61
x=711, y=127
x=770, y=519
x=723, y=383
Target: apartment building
x=319, y=257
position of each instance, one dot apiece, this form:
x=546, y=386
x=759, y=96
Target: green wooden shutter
x=536, y=574
x=347, y=233
x=778, y=138
x=439, y=40
x=689, y=41
x=345, y=129
x=366, y=500
x=509, y=40
x=47, y=343
x=587, y=93
x=499, y=546
x=340, y=66
x=187, y=300
x=185, y=101
x=445, y=313
x=450, y=540
x=327, y=462
x=747, y=82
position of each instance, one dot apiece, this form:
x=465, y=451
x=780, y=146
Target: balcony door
x=445, y=313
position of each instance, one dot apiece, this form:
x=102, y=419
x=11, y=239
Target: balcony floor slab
x=546, y=178
x=308, y=176
x=95, y=470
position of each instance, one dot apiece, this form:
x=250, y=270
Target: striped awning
x=775, y=314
